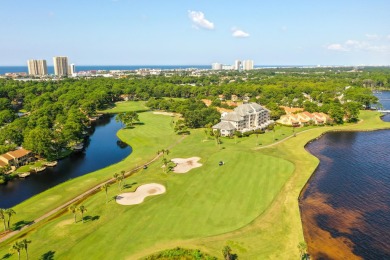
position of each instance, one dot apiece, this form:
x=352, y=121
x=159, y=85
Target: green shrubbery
x=182, y=254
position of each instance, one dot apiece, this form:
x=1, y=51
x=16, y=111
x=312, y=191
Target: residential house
x=16, y=158
x=304, y=118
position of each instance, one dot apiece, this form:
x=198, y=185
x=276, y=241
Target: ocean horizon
x=16, y=69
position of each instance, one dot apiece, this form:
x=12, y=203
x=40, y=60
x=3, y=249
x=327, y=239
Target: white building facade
x=60, y=66
x=37, y=67
x=72, y=70
x=244, y=118
x=216, y=66
x=247, y=65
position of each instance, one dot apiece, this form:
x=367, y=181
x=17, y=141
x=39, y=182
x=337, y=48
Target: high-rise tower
x=237, y=65
x=37, y=67
x=247, y=65
x=60, y=66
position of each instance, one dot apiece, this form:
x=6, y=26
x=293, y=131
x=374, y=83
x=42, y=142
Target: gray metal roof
x=247, y=109
x=224, y=126
x=232, y=116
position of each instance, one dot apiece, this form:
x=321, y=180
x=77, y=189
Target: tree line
x=49, y=117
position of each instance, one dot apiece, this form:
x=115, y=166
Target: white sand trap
x=164, y=113
x=138, y=196
x=185, y=165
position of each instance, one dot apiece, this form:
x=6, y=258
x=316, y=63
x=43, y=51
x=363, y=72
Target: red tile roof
x=19, y=153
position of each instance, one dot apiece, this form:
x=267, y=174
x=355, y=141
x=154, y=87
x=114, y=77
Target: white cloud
x=239, y=33
x=373, y=36
x=336, y=47
x=353, y=45
x=199, y=20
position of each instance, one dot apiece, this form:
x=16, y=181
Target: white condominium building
x=247, y=65
x=37, y=67
x=246, y=117
x=237, y=65
x=60, y=66
x=72, y=70
x=216, y=66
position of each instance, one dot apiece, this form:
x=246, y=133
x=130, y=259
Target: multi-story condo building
x=60, y=66
x=244, y=118
x=72, y=70
x=247, y=65
x=237, y=65
x=37, y=67
x=216, y=66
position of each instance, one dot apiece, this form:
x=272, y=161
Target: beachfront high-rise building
x=247, y=65
x=60, y=66
x=216, y=66
x=237, y=65
x=37, y=67
x=72, y=70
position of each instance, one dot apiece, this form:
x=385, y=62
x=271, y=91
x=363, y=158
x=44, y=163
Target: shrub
x=182, y=254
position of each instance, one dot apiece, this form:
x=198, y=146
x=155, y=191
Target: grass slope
x=143, y=139
x=251, y=203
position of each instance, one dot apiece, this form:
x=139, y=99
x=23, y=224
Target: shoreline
x=283, y=205
x=86, y=192
x=312, y=175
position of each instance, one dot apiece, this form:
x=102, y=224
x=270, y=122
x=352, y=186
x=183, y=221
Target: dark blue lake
x=102, y=149
x=345, y=208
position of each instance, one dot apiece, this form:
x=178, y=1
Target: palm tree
x=9, y=212
x=73, y=209
x=82, y=209
x=165, y=163
x=16, y=247
x=226, y=251
x=105, y=187
x=24, y=244
x=117, y=178
x=217, y=136
x=163, y=151
x=122, y=178
x=2, y=217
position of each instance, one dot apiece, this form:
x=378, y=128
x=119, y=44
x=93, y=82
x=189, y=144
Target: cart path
x=85, y=194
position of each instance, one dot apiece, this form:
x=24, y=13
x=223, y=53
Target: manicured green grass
x=124, y=106
x=250, y=203
x=207, y=201
x=157, y=129
x=28, y=167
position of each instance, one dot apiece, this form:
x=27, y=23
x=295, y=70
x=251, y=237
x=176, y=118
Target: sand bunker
x=138, y=196
x=185, y=165
x=164, y=113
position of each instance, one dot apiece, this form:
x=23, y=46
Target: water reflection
x=346, y=206
x=102, y=149
x=347, y=197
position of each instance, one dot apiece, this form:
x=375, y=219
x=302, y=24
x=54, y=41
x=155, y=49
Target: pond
x=102, y=149
x=345, y=207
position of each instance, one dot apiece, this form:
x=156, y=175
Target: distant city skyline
x=125, y=32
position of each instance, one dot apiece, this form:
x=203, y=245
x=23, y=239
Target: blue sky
x=157, y=32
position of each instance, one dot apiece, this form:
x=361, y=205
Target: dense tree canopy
x=55, y=113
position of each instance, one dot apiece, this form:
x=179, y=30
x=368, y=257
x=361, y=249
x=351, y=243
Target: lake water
x=103, y=149
x=345, y=208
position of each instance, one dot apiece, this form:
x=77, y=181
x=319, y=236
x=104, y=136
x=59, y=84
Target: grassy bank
x=143, y=140
x=250, y=203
